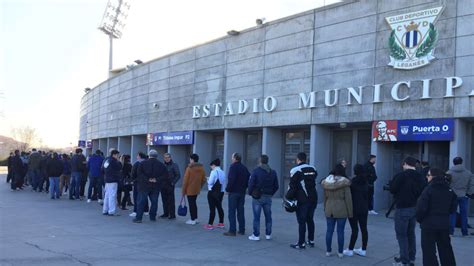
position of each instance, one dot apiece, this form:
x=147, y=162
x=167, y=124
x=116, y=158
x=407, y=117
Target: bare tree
x=26, y=137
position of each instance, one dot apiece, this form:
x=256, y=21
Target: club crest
x=413, y=38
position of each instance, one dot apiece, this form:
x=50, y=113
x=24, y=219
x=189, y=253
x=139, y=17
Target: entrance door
x=295, y=142
x=253, y=149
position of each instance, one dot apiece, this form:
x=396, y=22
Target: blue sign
x=425, y=130
x=173, y=138
x=81, y=143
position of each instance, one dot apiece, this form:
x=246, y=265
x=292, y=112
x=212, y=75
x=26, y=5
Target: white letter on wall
x=266, y=103
x=307, y=101
x=217, y=109
x=327, y=97
x=205, y=110
x=426, y=89
x=377, y=93
x=243, y=106
x=255, y=105
x=395, y=91
x=354, y=94
x=196, y=113
x=228, y=109
x=451, y=84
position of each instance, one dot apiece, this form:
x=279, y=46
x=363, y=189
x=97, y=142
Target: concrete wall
x=339, y=46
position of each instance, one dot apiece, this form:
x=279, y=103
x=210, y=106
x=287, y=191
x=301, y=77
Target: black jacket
x=126, y=174
x=17, y=166
x=54, y=167
x=406, y=187
x=135, y=172
x=112, y=170
x=264, y=179
x=303, y=184
x=435, y=205
x=360, y=199
x=149, y=169
x=173, y=173
x=369, y=171
x=78, y=163
x=238, y=178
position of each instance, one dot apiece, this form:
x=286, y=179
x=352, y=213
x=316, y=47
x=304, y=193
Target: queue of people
x=430, y=196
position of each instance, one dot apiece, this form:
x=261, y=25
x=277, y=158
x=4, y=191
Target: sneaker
x=298, y=246
x=146, y=213
x=328, y=254
x=310, y=244
x=340, y=255
x=373, y=212
x=137, y=221
x=163, y=216
x=89, y=201
x=348, y=253
x=268, y=237
x=360, y=252
x=114, y=214
x=209, y=227
x=241, y=233
x=229, y=234
x=124, y=209
x=254, y=238
x=100, y=201
x=172, y=218
x=191, y=222
x=220, y=225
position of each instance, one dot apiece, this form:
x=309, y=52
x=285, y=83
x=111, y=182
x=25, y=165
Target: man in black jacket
x=406, y=187
x=167, y=188
x=54, y=168
x=151, y=174
x=17, y=169
x=371, y=174
x=9, y=169
x=302, y=188
x=433, y=209
x=112, y=170
x=237, y=183
x=78, y=166
x=140, y=158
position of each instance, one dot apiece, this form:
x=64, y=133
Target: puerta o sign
x=414, y=130
x=171, y=138
x=81, y=143
x=413, y=38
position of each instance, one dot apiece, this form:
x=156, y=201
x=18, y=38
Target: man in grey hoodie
x=462, y=183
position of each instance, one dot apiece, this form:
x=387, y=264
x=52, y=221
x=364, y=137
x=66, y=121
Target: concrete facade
x=330, y=48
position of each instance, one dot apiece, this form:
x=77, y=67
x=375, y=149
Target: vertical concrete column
x=459, y=147
x=138, y=144
x=103, y=146
x=383, y=166
x=233, y=142
x=179, y=155
x=125, y=145
x=320, y=147
x=203, y=147
x=272, y=145
x=111, y=143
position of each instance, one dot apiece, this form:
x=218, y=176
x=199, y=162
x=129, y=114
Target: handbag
x=182, y=208
x=216, y=188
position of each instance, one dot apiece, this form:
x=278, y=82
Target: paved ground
x=35, y=230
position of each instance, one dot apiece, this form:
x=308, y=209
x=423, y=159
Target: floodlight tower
x=113, y=22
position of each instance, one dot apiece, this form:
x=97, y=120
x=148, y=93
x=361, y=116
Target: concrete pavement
x=35, y=230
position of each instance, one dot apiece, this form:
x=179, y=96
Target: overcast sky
x=50, y=50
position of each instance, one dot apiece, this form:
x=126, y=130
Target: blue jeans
x=36, y=178
x=236, y=204
x=305, y=218
x=143, y=199
x=265, y=203
x=331, y=223
x=75, y=185
x=405, y=222
x=54, y=187
x=94, y=184
x=462, y=202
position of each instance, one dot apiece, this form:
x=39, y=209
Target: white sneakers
x=360, y=252
x=268, y=237
x=133, y=214
x=340, y=255
x=348, y=253
x=192, y=222
x=254, y=238
x=100, y=201
x=89, y=201
x=373, y=212
x=146, y=213
x=328, y=254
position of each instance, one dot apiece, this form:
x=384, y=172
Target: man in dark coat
x=17, y=169
x=167, y=188
x=433, y=209
x=9, y=167
x=151, y=174
x=237, y=183
x=54, y=168
x=78, y=165
x=369, y=171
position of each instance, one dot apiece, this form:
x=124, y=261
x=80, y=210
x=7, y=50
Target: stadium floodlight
x=113, y=21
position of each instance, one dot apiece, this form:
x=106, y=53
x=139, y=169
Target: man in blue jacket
x=112, y=169
x=262, y=186
x=94, y=165
x=237, y=182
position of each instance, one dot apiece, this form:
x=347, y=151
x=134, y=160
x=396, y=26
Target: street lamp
x=113, y=22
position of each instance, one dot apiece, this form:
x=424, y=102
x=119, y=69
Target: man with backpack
x=263, y=184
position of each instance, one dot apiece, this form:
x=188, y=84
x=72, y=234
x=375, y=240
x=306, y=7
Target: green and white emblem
x=413, y=38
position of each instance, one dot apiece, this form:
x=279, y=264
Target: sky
x=50, y=50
